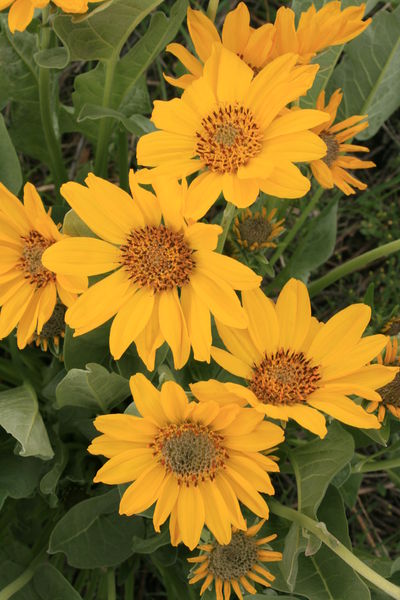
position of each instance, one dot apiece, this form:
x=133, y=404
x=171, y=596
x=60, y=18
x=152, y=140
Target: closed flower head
x=195, y=461
x=28, y=290
x=165, y=277
x=390, y=393
x=295, y=366
x=233, y=126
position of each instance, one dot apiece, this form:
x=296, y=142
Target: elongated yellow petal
x=81, y=256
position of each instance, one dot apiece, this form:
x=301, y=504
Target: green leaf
x=327, y=61
x=92, y=534
x=74, y=226
x=20, y=416
x=49, y=584
x=52, y=58
x=151, y=544
x=368, y=74
x=93, y=388
x=314, y=248
x=19, y=477
x=101, y=34
x=316, y=463
x=83, y=349
x=10, y=169
x=50, y=480
x=137, y=124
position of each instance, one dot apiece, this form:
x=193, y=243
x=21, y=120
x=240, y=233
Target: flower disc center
x=229, y=137
x=55, y=326
x=157, y=257
x=332, y=148
x=34, y=244
x=235, y=559
x=284, y=377
x=255, y=230
x=191, y=451
x=390, y=392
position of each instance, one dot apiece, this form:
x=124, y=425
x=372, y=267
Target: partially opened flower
x=230, y=125
x=21, y=11
x=195, y=461
x=295, y=366
x=331, y=170
x=152, y=253
x=317, y=30
x=257, y=230
x=235, y=565
x=28, y=291
x=53, y=331
x=252, y=45
x=390, y=393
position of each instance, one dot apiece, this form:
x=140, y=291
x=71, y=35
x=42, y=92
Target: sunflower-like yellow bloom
x=21, y=11
x=28, y=291
x=230, y=125
x=256, y=230
x=234, y=564
x=316, y=30
x=152, y=253
x=390, y=393
x=195, y=461
x=252, y=45
x=331, y=169
x=295, y=366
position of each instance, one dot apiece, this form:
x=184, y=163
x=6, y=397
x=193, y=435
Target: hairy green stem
x=56, y=163
x=297, y=226
x=105, y=127
x=320, y=531
x=227, y=218
x=354, y=264
x=25, y=577
x=381, y=465
x=212, y=9
x=111, y=591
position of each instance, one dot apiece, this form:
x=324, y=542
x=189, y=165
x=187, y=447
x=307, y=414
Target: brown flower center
x=390, y=392
x=235, y=559
x=34, y=244
x=228, y=139
x=392, y=327
x=55, y=326
x=255, y=231
x=332, y=146
x=284, y=377
x=158, y=258
x=191, y=451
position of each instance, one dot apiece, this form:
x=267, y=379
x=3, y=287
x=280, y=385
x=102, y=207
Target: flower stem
x=212, y=9
x=25, y=577
x=354, y=264
x=381, y=465
x=320, y=531
x=57, y=168
x=111, y=592
x=297, y=226
x=227, y=218
x=105, y=127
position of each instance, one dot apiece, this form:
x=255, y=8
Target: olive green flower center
x=235, y=559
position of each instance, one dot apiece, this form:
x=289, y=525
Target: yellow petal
x=13, y=310
x=143, y=492
x=231, y=363
x=167, y=497
x=174, y=401
x=233, y=272
x=239, y=343
x=220, y=299
x=147, y=399
x=236, y=29
x=216, y=513
x=202, y=236
x=125, y=467
x=263, y=321
x=130, y=320
x=202, y=193
x=202, y=31
x=293, y=310
x=20, y=15
x=342, y=408
x=81, y=256
x=191, y=515
x=198, y=321
x=308, y=418
x=173, y=327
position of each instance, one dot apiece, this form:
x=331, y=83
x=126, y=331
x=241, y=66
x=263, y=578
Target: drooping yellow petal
x=81, y=256
x=220, y=299
x=218, y=266
x=342, y=408
x=143, y=492
x=198, y=322
x=191, y=515
x=173, y=327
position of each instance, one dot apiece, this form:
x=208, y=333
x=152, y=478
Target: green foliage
x=49, y=584
x=10, y=169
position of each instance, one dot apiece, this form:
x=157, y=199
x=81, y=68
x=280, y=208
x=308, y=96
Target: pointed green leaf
x=10, y=169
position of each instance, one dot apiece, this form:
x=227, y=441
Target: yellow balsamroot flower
x=234, y=564
x=316, y=30
x=230, y=125
x=331, y=169
x=21, y=11
x=255, y=231
x=295, y=367
x=28, y=291
x=252, y=45
x=53, y=330
x=195, y=461
x=390, y=393
x=152, y=253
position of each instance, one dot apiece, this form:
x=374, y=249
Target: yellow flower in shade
x=53, y=330
x=230, y=125
x=390, y=393
x=295, y=366
x=332, y=169
x=21, y=11
x=252, y=45
x=194, y=460
x=316, y=30
x=28, y=291
x=255, y=231
x=152, y=253
x=235, y=564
